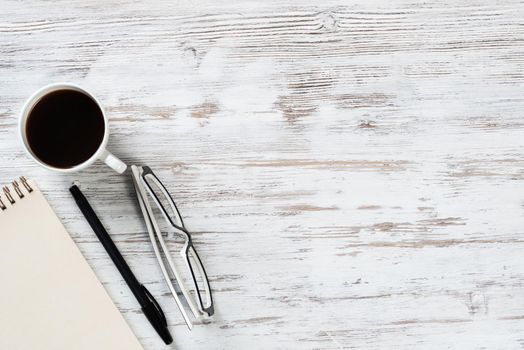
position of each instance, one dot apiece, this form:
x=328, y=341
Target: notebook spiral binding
x=12, y=198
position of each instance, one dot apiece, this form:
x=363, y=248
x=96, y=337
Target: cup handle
x=113, y=162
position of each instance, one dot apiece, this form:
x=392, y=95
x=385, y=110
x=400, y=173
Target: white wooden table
x=352, y=170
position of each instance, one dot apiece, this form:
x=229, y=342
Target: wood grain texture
x=352, y=172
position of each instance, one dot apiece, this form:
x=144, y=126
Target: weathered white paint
x=352, y=171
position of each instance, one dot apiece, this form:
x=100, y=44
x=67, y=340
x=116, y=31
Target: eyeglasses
x=167, y=233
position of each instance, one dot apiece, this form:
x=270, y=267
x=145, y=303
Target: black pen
x=149, y=305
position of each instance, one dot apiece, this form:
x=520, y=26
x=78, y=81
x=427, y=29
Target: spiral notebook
x=50, y=299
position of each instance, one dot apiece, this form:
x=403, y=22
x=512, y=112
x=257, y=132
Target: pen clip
x=156, y=306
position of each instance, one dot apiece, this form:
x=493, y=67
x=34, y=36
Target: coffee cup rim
x=29, y=105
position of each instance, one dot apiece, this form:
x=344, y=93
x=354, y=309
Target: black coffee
x=65, y=128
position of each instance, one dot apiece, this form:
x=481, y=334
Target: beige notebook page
x=49, y=296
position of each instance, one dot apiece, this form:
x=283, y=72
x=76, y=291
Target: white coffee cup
x=101, y=153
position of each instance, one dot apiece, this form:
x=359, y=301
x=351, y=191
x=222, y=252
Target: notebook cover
x=50, y=299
